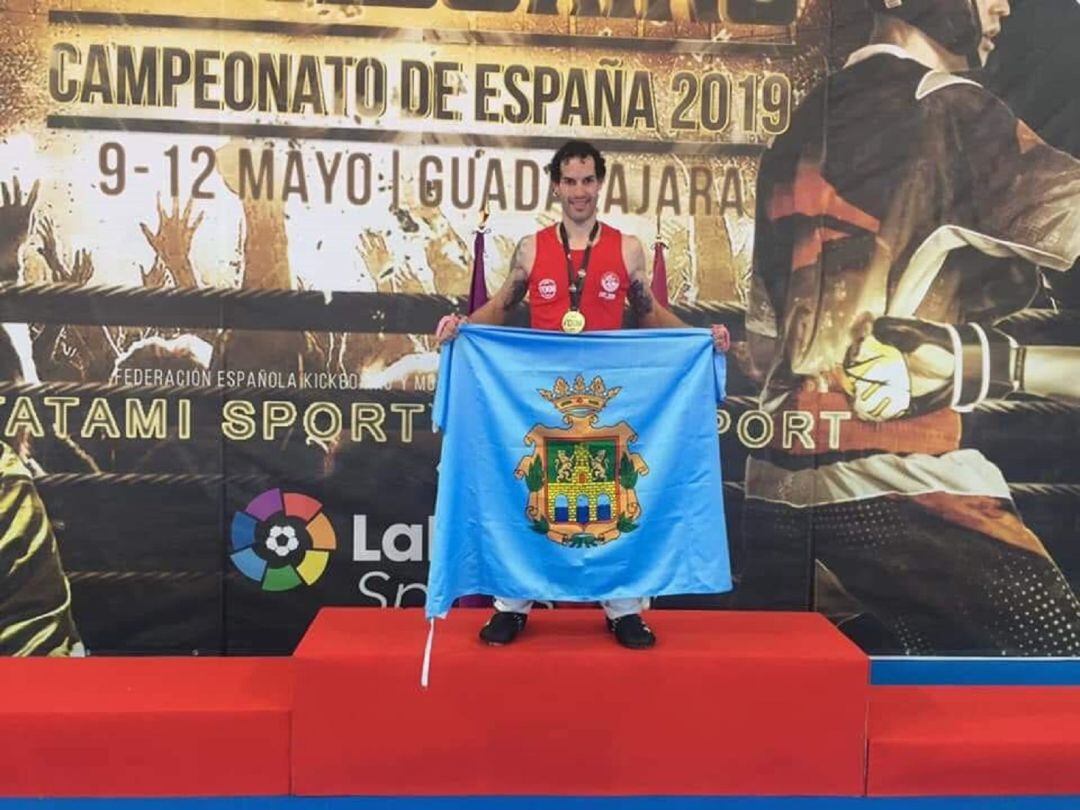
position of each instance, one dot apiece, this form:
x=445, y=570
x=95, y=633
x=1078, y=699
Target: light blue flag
x=578, y=468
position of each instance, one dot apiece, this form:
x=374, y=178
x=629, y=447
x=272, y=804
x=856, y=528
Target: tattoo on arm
x=517, y=283
x=516, y=294
x=641, y=300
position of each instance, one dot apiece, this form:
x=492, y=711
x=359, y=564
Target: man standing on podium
x=577, y=276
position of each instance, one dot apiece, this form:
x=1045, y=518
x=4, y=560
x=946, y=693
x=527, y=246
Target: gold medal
x=573, y=321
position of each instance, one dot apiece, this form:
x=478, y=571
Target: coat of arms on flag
x=581, y=477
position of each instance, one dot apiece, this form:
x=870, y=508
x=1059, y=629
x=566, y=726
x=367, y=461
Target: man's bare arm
x=509, y=295
x=650, y=314
x=513, y=290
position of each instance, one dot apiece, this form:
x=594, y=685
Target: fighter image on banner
x=899, y=227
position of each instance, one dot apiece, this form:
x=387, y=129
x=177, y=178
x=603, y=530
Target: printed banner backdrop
x=227, y=232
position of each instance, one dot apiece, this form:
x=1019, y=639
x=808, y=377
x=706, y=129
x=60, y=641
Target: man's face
x=991, y=13
x=578, y=189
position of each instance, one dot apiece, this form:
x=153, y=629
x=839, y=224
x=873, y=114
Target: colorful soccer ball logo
x=282, y=540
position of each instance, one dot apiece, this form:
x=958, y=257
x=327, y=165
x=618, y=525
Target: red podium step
x=974, y=741
x=727, y=703
x=145, y=726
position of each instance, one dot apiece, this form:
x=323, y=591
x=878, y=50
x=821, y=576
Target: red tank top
x=606, y=281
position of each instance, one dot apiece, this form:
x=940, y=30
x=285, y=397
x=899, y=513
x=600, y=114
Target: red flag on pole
x=478, y=294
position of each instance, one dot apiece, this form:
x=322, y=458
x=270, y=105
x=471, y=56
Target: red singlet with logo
x=606, y=281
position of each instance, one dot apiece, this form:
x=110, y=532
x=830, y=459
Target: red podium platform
x=727, y=703
x=145, y=726
x=974, y=741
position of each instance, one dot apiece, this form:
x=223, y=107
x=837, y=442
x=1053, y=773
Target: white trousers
x=613, y=608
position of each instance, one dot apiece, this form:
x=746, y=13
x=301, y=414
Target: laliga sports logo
x=282, y=540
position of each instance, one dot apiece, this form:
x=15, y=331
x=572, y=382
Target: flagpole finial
x=483, y=217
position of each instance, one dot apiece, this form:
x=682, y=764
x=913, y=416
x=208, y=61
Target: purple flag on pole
x=659, y=274
x=478, y=294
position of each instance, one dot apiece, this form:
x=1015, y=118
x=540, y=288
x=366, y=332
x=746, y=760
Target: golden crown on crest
x=579, y=399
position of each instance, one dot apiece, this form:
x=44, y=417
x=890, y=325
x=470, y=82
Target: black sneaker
x=632, y=632
x=503, y=627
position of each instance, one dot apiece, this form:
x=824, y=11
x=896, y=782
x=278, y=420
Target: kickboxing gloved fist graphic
x=900, y=367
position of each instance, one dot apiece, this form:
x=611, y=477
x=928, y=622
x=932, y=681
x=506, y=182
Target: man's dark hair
x=576, y=149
